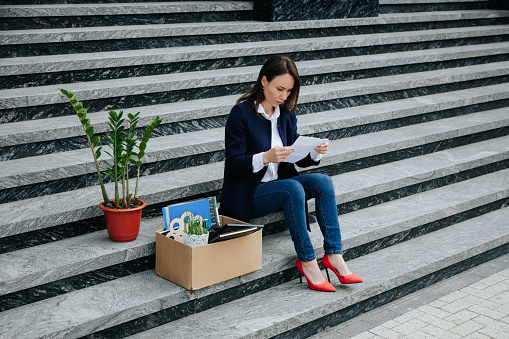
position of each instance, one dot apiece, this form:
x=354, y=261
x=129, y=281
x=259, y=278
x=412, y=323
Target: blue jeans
x=290, y=195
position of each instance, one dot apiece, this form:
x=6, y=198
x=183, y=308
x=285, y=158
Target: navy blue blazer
x=246, y=134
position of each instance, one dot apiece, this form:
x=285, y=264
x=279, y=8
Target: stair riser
x=409, y=8
x=79, y=142
x=119, y=20
x=81, y=281
x=43, y=79
x=100, y=45
x=52, y=289
x=326, y=321
x=206, y=302
x=75, y=228
x=39, y=2
x=164, y=165
x=133, y=101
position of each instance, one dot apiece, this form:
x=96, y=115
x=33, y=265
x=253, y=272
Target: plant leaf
x=95, y=140
x=90, y=131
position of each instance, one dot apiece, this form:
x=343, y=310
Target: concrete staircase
x=414, y=101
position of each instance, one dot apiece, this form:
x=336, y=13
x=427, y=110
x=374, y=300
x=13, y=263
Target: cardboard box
x=202, y=266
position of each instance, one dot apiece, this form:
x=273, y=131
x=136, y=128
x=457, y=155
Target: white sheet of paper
x=303, y=145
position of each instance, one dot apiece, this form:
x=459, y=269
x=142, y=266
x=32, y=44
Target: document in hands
x=303, y=145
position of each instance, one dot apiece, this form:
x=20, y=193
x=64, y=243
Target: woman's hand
x=276, y=154
x=323, y=148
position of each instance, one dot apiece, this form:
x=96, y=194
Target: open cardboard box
x=202, y=266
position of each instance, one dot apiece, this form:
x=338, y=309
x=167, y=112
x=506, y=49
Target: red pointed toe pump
x=344, y=279
x=325, y=286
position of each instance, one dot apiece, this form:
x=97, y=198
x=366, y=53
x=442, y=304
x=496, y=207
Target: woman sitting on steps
x=257, y=182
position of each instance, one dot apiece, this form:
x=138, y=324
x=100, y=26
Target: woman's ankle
x=312, y=271
x=339, y=264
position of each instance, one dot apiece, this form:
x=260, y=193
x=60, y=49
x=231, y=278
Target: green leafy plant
x=195, y=226
x=124, y=149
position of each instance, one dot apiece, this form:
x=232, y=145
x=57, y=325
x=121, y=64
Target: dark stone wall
x=498, y=4
x=293, y=10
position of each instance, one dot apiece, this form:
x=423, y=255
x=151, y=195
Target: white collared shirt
x=275, y=141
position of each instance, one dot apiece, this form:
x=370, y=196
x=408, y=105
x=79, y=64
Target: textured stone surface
x=415, y=106
x=37, y=265
x=278, y=10
x=119, y=8
x=107, y=33
x=64, y=62
x=157, y=293
x=168, y=186
x=154, y=85
x=288, y=306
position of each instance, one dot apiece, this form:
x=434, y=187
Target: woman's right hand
x=276, y=154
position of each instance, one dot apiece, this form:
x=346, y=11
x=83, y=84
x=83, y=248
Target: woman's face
x=277, y=90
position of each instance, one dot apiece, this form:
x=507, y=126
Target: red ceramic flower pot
x=123, y=225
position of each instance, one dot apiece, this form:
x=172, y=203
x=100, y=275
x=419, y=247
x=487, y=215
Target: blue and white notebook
x=176, y=215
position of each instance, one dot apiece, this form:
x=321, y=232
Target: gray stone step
x=46, y=95
x=49, y=262
x=68, y=126
x=290, y=305
x=60, y=165
x=82, y=312
x=398, y=2
x=36, y=213
x=23, y=11
x=103, y=60
x=146, y=31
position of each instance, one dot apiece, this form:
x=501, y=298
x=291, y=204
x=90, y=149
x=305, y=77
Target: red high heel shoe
x=344, y=279
x=325, y=286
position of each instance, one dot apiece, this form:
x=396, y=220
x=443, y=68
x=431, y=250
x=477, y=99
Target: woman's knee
x=322, y=182
x=294, y=190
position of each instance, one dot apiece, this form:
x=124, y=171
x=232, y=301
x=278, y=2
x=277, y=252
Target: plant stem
x=115, y=166
x=136, y=188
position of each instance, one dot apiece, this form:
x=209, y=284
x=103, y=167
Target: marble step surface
x=213, y=28
x=31, y=170
x=104, y=60
x=292, y=305
x=68, y=126
x=401, y=2
x=36, y=213
x=28, y=17
x=111, y=9
x=65, y=2
x=38, y=265
x=47, y=95
x=405, y=6
x=99, y=307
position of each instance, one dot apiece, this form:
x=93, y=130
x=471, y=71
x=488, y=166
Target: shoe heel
x=327, y=271
x=300, y=277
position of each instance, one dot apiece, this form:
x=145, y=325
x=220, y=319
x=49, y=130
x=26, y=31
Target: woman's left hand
x=323, y=148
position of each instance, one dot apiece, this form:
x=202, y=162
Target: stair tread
x=91, y=309
x=68, y=126
x=46, y=95
x=49, y=10
x=37, y=265
x=36, y=213
x=71, y=62
x=186, y=29
x=42, y=168
x=397, y=2
x=289, y=305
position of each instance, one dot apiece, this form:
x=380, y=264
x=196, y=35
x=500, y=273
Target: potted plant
x=196, y=232
x=123, y=212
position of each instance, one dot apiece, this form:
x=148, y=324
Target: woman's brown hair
x=274, y=66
